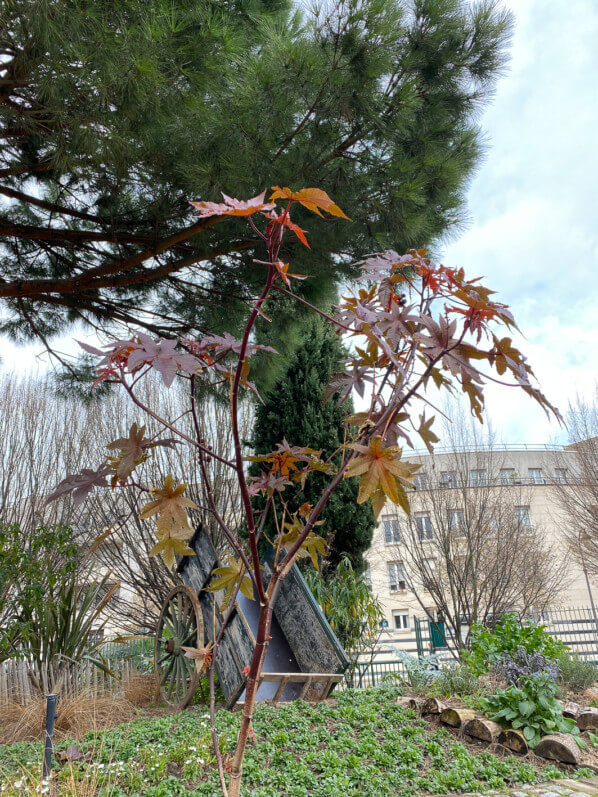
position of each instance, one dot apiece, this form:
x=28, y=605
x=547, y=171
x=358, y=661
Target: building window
x=478, y=478
x=391, y=530
x=493, y=525
x=401, y=621
x=448, y=478
x=423, y=524
x=560, y=475
x=535, y=476
x=507, y=475
x=456, y=520
x=367, y=578
x=522, y=516
x=396, y=577
x=420, y=480
x=428, y=567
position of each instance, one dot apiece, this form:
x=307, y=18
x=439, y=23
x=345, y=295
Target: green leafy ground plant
x=530, y=707
x=489, y=645
x=365, y=745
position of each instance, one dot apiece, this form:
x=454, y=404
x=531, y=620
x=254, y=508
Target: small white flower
x=17, y=784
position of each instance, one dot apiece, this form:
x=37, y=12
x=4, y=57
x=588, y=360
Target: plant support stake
x=50, y=717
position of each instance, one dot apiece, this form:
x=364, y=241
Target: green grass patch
x=364, y=745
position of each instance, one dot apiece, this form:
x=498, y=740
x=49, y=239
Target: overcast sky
x=533, y=204
x=533, y=207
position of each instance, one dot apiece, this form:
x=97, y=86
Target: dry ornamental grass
x=76, y=716
x=140, y=689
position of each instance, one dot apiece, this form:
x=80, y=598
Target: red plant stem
x=237, y=440
x=206, y=479
x=251, y=687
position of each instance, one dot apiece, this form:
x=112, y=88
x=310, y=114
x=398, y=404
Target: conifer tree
x=115, y=113
x=296, y=408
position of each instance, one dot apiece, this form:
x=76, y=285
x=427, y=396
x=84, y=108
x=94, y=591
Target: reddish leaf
x=283, y=271
x=285, y=220
x=72, y=753
x=80, y=484
x=232, y=207
x=225, y=343
x=311, y=198
x=164, y=357
x=202, y=656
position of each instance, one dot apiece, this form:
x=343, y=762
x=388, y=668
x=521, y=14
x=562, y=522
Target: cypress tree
x=295, y=410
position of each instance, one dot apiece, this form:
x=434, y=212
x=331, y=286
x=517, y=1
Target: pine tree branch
x=59, y=234
x=111, y=275
x=45, y=205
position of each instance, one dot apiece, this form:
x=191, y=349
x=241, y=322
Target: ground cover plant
x=409, y=323
x=530, y=706
x=490, y=645
x=362, y=743
x=576, y=674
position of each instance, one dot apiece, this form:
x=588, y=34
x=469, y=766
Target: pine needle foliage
x=114, y=114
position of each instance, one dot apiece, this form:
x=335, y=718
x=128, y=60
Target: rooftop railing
x=490, y=449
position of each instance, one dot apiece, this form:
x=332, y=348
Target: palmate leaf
x=313, y=199
x=311, y=546
x=426, y=433
x=80, y=484
x=134, y=450
x=168, y=547
x=202, y=656
x=172, y=523
x=383, y=473
x=293, y=462
x=163, y=356
x=285, y=220
x=233, y=207
x=169, y=504
x=284, y=273
x=227, y=578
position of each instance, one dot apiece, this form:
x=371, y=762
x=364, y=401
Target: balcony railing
x=518, y=481
x=491, y=449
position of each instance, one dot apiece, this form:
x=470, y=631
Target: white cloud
x=533, y=206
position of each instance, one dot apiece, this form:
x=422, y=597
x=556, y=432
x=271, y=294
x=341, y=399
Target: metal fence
x=372, y=673
x=576, y=627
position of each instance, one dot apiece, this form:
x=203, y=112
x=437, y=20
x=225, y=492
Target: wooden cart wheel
x=180, y=625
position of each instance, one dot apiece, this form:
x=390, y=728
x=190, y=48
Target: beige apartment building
x=513, y=491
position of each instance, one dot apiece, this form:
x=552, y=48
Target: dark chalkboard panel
x=310, y=637
x=302, y=640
